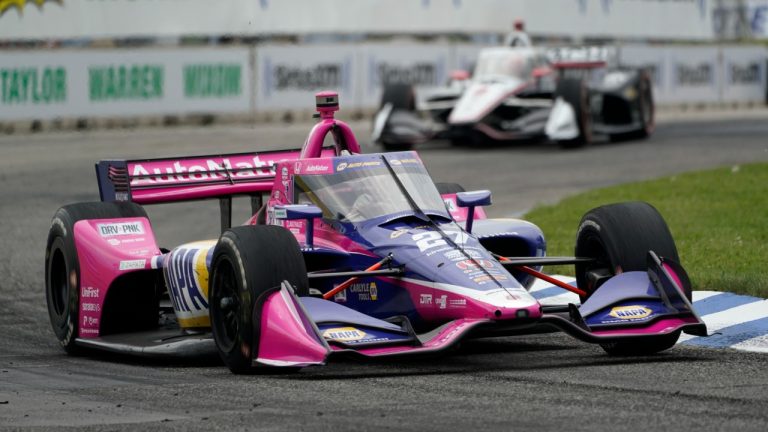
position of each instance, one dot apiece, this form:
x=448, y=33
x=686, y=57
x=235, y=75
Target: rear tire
x=247, y=262
x=62, y=268
x=575, y=92
x=401, y=96
x=619, y=236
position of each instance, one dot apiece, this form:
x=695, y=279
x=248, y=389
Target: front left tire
x=248, y=262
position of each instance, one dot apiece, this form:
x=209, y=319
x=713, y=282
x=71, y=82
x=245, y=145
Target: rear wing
x=154, y=181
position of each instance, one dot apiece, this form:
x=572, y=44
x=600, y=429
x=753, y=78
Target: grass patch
x=718, y=218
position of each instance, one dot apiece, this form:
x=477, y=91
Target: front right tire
x=619, y=237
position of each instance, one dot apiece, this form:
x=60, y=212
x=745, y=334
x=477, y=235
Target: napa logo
x=344, y=334
x=20, y=4
x=630, y=312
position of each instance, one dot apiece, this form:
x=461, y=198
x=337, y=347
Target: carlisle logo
x=20, y=4
x=344, y=334
x=630, y=312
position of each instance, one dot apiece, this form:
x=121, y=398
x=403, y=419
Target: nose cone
x=512, y=304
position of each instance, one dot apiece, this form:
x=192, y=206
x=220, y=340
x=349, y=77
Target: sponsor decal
x=630, y=312
x=281, y=213
x=469, y=265
x=201, y=170
x=344, y=334
x=187, y=278
x=441, y=301
x=450, y=204
x=456, y=255
x=482, y=280
x=89, y=292
x=398, y=232
x=114, y=242
x=91, y=307
x=340, y=296
x=120, y=228
x=90, y=321
x=425, y=299
x=365, y=291
x=342, y=166
x=284, y=174
x=133, y=264
x=316, y=168
x=457, y=303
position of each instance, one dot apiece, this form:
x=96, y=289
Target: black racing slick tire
x=645, y=110
x=575, y=92
x=62, y=268
x=401, y=96
x=645, y=106
x=248, y=262
x=449, y=188
x=619, y=237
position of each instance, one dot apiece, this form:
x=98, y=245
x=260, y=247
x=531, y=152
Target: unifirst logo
x=630, y=312
x=20, y=4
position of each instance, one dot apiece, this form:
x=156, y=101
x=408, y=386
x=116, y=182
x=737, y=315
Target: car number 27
x=430, y=239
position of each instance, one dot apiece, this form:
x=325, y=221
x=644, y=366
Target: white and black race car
x=522, y=93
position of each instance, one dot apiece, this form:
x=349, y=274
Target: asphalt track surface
x=544, y=382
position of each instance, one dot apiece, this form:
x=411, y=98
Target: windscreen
x=357, y=195
x=518, y=63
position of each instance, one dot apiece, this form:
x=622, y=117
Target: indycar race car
x=522, y=93
x=346, y=254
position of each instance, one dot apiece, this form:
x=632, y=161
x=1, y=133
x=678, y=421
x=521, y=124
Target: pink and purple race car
x=346, y=254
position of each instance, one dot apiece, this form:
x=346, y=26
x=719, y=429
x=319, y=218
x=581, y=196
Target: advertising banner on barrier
x=744, y=73
x=694, y=74
x=288, y=76
x=422, y=65
x=98, y=83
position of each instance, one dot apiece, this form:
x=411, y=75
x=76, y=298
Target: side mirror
x=471, y=200
x=300, y=211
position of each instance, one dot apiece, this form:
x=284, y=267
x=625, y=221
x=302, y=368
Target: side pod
x=287, y=337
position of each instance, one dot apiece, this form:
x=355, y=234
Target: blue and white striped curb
x=733, y=321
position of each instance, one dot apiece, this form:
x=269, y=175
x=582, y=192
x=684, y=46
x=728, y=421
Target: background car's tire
x=62, y=269
x=449, y=188
x=401, y=96
x=575, y=92
x=619, y=236
x=247, y=262
x=645, y=108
